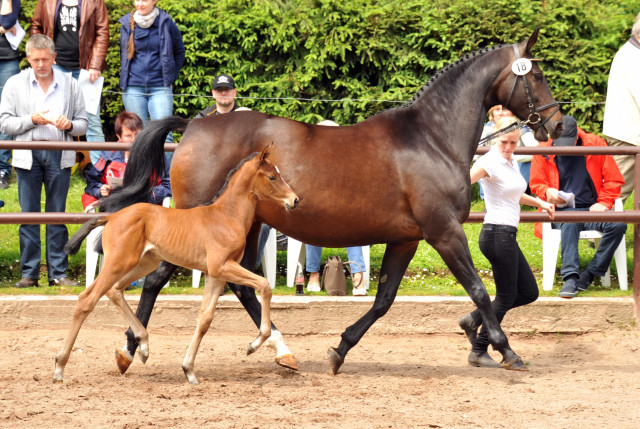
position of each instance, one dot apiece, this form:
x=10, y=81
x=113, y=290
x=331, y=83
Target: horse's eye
x=538, y=77
x=272, y=178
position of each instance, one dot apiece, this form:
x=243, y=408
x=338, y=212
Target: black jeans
x=515, y=283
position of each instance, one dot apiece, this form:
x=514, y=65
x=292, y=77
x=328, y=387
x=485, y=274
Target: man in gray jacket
x=42, y=104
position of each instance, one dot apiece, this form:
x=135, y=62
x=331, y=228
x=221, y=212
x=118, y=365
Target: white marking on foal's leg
x=276, y=342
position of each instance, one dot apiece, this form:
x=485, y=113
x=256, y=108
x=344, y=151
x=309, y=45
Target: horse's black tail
x=146, y=160
x=73, y=245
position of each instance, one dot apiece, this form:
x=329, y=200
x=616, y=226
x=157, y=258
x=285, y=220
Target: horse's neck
x=454, y=105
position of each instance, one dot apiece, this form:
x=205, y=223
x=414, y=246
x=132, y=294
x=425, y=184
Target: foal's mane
x=450, y=71
x=230, y=175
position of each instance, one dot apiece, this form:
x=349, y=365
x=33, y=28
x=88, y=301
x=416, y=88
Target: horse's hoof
x=516, y=365
x=335, y=360
x=482, y=360
x=287, y=361
x=250, y=349
x=57, y=378
x=122, y=360
x=469, y=327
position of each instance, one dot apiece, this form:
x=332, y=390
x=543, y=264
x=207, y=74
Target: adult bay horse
x=209, y=238
x=412, y=182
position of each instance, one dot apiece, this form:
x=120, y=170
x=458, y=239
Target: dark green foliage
x=355, y=52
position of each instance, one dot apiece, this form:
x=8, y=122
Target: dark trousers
x=515, y=283
x=45, y=171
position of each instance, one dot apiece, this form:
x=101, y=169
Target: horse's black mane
x=445, y=72
x=230, y=174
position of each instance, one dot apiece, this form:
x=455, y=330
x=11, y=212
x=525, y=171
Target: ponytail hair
x=131, y=47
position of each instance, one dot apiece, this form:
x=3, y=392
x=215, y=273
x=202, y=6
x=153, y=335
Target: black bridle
x=534, y=115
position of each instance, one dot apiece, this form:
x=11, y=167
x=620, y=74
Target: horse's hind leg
x=213, y=290
x=454, y=249
x=152, y=286
x=394, y=264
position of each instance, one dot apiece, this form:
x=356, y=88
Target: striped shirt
x=53, y=100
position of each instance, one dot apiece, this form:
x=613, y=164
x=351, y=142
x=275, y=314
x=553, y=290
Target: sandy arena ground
x=394, y=378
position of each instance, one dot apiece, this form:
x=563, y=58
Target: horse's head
x=523, y=89
x=269, y=184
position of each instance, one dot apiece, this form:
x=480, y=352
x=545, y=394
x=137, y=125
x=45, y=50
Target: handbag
x=333, y=278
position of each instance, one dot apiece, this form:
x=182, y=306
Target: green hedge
x=369, y=53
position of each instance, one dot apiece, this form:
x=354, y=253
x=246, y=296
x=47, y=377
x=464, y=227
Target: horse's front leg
x=394, y=264
x=213, y=288
x=454, y=249
x=153, y=284
x=247, y=298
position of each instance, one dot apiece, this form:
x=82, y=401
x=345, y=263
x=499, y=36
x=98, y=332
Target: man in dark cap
x=582, y=183
x=224, y=93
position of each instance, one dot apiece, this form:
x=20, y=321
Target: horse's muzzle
x=292, y=205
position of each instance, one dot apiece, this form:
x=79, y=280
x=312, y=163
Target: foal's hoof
x=287, y=361
x=515, y=365
x=122, y=360
x=250, y=349
x=335, y=360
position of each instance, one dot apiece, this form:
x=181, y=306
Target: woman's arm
x=536, y=202
x=477, y=173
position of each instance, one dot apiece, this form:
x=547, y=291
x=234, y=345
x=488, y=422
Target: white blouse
x=503, y=188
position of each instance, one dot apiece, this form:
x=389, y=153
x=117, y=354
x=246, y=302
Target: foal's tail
x=146, y=161
x=73, y=245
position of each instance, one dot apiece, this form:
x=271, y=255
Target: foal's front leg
x=213, y=288
x=233, y=272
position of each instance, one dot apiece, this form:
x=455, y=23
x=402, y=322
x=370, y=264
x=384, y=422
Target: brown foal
x=207, y=238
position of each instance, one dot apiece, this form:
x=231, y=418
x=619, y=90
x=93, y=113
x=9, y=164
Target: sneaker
x=585, y=279
x=4, y=180
x=313, y=287
x=569, y=289
x=26, y=282
x=63, y=281
x=359, y=291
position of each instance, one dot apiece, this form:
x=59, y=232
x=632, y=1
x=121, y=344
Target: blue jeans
x=314, y=254
x=94, y=132
x=7, y=69
x=515, y=283
x=155, y=102
x=612, y=234
x=45, y=170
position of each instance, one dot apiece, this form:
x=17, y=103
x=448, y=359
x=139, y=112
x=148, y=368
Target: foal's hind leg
x=213, y=290
x=454, y=249
x=87, y=301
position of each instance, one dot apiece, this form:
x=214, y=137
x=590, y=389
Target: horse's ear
x=265, y=152
x=532, y=40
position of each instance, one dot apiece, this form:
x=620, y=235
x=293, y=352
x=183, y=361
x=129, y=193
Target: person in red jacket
x=588, y=183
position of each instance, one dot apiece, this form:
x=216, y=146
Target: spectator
x=595, y=182
x=151, y=56
x=314, y=254
x=9, y=66
x=621, y=124
x=80, y=30
x=127, y=126
x=224, y=93
x=41, y=103
x=515, y=283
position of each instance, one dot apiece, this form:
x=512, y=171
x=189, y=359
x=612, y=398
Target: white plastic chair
x=269, y=261
x=297, y=253
x=551, y=244
x=93, y=257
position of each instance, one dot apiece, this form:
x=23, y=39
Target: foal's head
x=268, y=184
